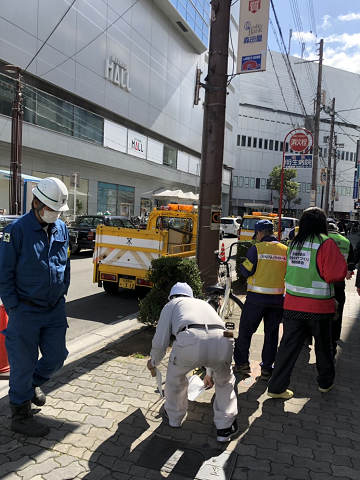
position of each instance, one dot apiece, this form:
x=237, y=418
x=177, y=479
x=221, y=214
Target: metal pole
x=333, y=193
x=16, y=146
x=213, y=140
x=75, y=184
x=331, y=142
x=281, y=188
x=316, y=129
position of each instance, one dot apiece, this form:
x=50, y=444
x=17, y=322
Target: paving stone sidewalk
x=105, y=424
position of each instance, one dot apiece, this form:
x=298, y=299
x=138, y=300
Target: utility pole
x=333, y=192
x=213, y=141
x=16, y=144
x=330, y=151
x=316, y=129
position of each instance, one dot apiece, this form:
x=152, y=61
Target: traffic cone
x=222, y=253
x=4, y=363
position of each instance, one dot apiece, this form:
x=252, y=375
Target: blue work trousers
x=30, y=330
x=251, y=316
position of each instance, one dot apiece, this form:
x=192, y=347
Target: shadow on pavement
x=156, y=451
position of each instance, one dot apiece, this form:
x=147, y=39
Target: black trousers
x=297, y=326
x=337, y=323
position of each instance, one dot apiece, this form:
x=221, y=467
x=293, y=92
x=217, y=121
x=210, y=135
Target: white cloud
x=343, y=61
x=349, y=17
x=326, y=22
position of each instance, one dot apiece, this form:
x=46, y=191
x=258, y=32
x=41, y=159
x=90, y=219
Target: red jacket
x=332, y=268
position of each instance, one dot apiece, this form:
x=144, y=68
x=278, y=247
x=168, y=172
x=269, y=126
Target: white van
x=229, y=226
x=287, y=224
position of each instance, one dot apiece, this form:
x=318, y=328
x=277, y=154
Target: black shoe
x=165, y=417
x=265, y=374
x=39, y=398
x=22, y=421
x=226, y=434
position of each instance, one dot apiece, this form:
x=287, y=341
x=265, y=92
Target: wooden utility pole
x=16, y=144
x=213, y=141
x=316, y=130
x=330, y=152
x=333, y=187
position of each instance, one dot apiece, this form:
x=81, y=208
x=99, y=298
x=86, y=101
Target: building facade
x=108, y=100
x=269, y=109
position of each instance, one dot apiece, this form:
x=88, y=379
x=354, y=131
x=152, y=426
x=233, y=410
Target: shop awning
x=24, y=176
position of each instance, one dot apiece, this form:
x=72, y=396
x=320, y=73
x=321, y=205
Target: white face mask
x=49, y=217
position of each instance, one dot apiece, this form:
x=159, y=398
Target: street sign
x=299, y=142
x=298, y=161
x=323, y=176
x=215, y=216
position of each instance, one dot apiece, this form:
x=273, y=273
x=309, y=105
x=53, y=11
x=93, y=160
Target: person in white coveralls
x=201, y=339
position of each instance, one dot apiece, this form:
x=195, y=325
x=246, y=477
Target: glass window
x=276, y=145
x=281, y=146
x=170, y=156
x=88, y=126
x=243, y=140
x=252, y=182
x=271, y=144
x=235, y=181
x=325, y=152
x=303, y=187
x=347, y=156
x=116, y=199
x=238, y=140
x=7, y=92
x=308, y=187
x=352, y=156
x=260, y=143
x=263, y=183
x=249, y=223
x=246, y=182
x=265, y=144
x=254, y=142
x=287, y=147
x=241, y=182
x=249, y=142
x=54, y=114
x=257, y=183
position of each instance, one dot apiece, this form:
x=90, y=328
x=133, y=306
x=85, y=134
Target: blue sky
x=336, y=21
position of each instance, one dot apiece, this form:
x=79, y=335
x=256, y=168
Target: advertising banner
x=253, y=34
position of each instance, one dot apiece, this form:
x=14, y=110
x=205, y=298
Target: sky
x=336, y=21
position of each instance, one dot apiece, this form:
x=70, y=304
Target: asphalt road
x=89, y=307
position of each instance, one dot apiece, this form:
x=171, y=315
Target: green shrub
x=164, y=273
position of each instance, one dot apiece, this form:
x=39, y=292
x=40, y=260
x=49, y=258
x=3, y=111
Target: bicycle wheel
x=233, y=305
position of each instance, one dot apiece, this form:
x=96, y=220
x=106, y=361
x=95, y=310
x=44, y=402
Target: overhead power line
x=288, y=63
x=47, y=38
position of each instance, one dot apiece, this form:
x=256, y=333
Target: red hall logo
x=254, y=5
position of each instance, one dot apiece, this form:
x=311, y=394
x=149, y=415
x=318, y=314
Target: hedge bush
x=164, y=273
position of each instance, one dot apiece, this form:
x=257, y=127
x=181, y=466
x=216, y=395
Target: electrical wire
x=47, y=38
x=69, y=57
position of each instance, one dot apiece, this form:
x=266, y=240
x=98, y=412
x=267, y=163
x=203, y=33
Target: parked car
x=5, y=220
x=287, y=224
x=229, y=226
x=82, y=231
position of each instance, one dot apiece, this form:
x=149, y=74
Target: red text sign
x=299, y=142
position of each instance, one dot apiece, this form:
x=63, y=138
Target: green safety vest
x=302, y=277
x=342, y=242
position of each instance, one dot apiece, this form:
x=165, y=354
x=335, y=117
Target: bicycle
x=222, y=298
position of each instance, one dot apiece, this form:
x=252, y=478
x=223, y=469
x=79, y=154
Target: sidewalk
x=103, y=410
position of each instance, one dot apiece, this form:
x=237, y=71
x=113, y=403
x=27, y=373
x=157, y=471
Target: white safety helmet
x=181, y=289
x=53, y=193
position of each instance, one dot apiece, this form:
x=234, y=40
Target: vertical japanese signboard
x=253, y=34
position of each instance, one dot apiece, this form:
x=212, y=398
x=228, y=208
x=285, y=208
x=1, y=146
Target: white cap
x=53, y=193
x=181, y=289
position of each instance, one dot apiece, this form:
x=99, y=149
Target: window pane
x=260, y=143
x=241, y=181
x=54, y=113
x=7, y=91
x=246, y=182
x=249, y=142
x=254, y=142
x=265, y=144
x=252, y=182
x=238, y=140
x=276, y=145
x=170, y=156
x=88, y=126
x=271, y=144
x=243, y=140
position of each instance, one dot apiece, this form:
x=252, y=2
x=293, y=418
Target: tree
x=291, y=188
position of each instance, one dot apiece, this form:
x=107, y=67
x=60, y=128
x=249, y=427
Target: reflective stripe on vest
x=268, y=291
x=302, y=276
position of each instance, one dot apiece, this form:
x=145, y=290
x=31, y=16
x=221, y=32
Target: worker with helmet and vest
x=314, y=263
x=201, y=339
x=264, y=268
x=347, y=251
x=35, y=276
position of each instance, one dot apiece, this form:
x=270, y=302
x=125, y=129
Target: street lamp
x=16, y=143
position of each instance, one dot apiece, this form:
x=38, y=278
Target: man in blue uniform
x=35, y=276
x=264, y=268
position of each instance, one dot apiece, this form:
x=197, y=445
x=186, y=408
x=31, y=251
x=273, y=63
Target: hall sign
x=137, y=144
x=117, y=73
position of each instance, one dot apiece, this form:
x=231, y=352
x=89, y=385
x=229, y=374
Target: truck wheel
x=111, y=288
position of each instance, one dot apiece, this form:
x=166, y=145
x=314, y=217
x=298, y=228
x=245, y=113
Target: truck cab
x=247, y=227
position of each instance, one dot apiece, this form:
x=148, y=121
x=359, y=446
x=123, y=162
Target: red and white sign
x=254, y=5
x=299, y=142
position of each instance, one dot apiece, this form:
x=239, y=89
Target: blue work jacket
x=34, y=267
